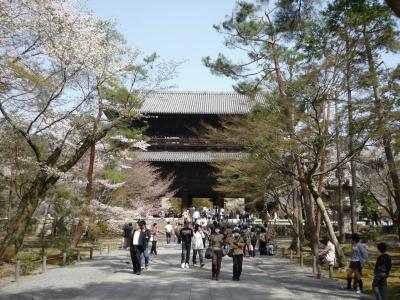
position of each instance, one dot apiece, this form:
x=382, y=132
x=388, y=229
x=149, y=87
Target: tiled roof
x=167, y=156
x=197, y=103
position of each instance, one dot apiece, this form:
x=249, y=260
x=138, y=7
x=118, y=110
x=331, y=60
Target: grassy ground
x=368, y=271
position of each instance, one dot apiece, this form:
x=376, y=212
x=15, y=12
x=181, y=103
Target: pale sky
x=176, y=29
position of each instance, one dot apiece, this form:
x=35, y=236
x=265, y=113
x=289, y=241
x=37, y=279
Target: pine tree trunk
x=288, y=111
x=328, y=223
x=339, y=176
x=386, y=137
x=353, y=191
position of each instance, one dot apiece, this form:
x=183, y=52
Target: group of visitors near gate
x=213, y=239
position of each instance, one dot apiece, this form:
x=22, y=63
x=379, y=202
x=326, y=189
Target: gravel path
x=110, y=277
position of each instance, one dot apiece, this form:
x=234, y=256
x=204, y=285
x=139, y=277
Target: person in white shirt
x=326, y=256
x=168, y=232
x=137, y=246
x=196, y=216
x=197, y=244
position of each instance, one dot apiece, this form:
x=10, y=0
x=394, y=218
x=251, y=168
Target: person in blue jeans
x=185, y=237
x=147, y=235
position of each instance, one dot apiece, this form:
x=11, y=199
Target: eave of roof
x=207, y=157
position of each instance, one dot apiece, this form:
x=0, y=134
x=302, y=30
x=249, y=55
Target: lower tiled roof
x=169, y=156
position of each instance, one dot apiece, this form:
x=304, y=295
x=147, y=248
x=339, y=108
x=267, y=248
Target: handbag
x=230, y=252
x=251, y=247
x=208, y=254
x=225, y=250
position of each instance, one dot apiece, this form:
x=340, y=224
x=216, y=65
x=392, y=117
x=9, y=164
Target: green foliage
x=370, y=208
x=347, y=248
x=113, y=175
x=202, y=202
x=176, y=203
x=29, y=262
x=369, y=234
x=103, y=226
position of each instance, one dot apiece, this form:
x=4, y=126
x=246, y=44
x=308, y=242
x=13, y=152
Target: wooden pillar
x=185, y=199
x=221, y=202
x=215, y=201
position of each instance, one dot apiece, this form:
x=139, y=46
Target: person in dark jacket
x=382, y=270
x=127, y=231
x=137, y=246
x=147, y=236
x=185, y=237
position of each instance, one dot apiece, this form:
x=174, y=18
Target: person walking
x=326, y=256
x=253, y=241
x=359, y=258
x=154, y=234
x=217, y=241
x=246, y=235
x=137, y=245
x=127, y=232
x=197, y=244
x=195, y=216
x=263, y=241
x=147, y=236
x=177, y=231
x=237, y=243
x=168, y=232
x=185, y=237
x=382, y=269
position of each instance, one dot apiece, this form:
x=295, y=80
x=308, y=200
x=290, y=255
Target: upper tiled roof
x=169, y=156
x=197, y=103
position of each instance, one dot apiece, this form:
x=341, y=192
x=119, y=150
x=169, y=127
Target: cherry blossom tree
x=54, y=58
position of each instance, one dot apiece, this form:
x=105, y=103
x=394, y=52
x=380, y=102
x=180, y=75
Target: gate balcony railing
x=190, y=142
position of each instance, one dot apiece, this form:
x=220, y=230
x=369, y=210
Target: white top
x=136, y=235
x=197, y=240
x=168, y=228
x=329, y=253
x=196, y=215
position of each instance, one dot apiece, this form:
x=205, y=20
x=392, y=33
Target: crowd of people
x=203, y=236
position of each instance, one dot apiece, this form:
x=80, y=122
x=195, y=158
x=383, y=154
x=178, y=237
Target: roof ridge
x=197, y=92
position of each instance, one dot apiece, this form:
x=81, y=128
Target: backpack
x=147, y=235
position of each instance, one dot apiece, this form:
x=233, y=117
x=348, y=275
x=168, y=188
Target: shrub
x=29, y=262
x=369, y=234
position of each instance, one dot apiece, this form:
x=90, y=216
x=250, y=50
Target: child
x=359, y=258
x=382, y=269
x=326, y=256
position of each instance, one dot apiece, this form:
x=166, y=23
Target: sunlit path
x=110, y=277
